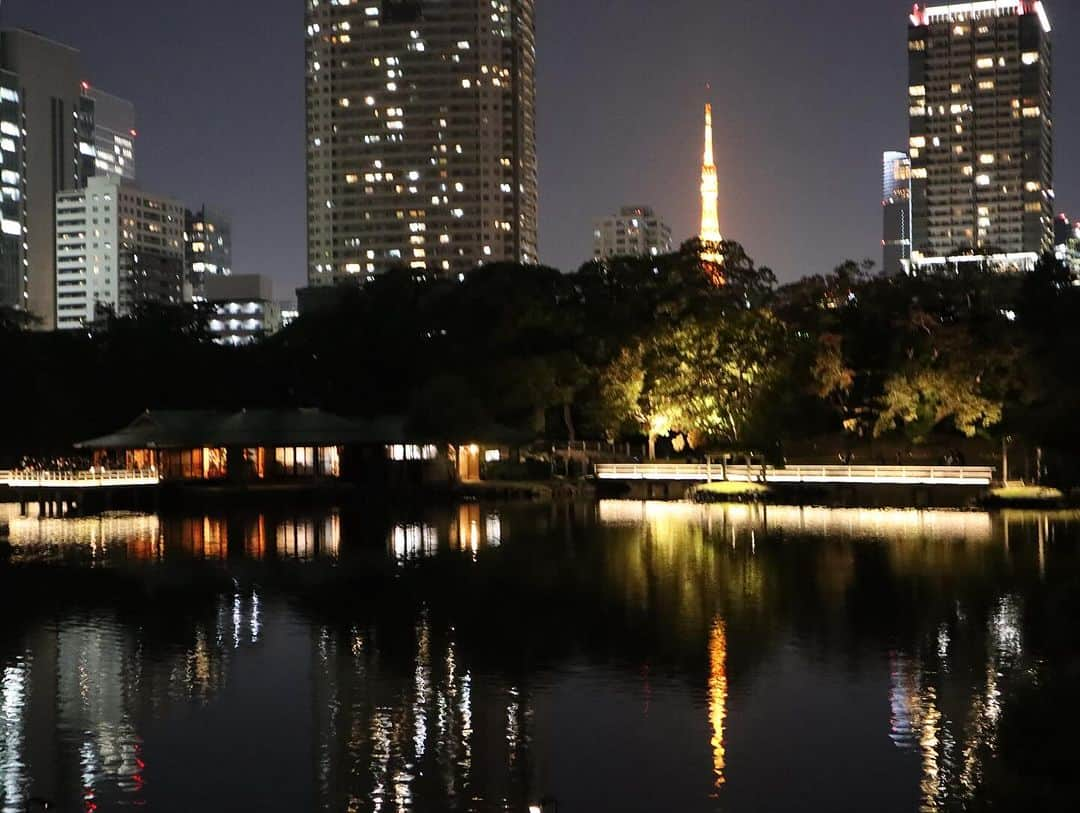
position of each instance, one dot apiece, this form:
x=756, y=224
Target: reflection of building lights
x=848, y=522
x=14, y=681
x=493, y=530
x=414, y=542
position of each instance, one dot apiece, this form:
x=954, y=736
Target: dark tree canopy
x=629, y=347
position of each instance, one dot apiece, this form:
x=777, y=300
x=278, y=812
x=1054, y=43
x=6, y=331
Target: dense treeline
x=631, y=348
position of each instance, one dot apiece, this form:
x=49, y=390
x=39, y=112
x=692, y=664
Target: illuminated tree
x=707, y=374
x=923, y=399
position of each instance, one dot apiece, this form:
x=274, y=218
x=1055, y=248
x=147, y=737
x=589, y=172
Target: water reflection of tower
x=718, y=696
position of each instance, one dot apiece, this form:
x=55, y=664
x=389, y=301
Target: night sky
x=807, y=95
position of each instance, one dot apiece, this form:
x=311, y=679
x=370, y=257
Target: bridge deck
x=975, y=476
x=77, y=480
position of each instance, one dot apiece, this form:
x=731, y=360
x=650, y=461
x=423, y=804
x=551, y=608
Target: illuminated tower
x=710, y=194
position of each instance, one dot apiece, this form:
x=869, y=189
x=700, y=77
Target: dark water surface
x=615, y=657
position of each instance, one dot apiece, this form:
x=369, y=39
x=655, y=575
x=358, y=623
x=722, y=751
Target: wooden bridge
x=59, y=493
x=95, y=478
x=974, y=476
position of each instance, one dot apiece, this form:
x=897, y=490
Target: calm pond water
x=613, y=657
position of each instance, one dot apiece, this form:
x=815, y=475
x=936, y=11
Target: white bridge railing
x=78, y=479
x=824, y=475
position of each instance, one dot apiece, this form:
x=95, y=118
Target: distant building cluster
x=975, y=184
x=80, y=240
x=421, y=154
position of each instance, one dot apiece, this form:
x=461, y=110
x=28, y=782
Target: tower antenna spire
x=710, y=194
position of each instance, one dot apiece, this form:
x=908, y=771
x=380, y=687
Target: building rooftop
x=250, y=428
x=955, y=12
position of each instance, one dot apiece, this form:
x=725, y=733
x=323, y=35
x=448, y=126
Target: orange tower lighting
x=710, y=194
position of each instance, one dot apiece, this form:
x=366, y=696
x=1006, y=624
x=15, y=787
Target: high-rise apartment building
x=421, y=136
x=981, y=132
x=635, y=231
x=207, y=249
x=896, y=207
x=116, y=247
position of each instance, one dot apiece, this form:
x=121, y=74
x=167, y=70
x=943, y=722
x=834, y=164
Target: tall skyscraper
x=710, y=196
x=421, y=136
x=896, y=206
x=636, y=231
x=981, y=132
x=42, y=125
x=207, y=249
x=117, y=247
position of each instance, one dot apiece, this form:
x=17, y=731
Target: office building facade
x=981, y=143
x=113, y=127
x=207, y=249
x=636, y=231
x=42, y=101
x=14, y=263
x=421, y=136
x=116, y=248
x=241, y=309
x=896, y=208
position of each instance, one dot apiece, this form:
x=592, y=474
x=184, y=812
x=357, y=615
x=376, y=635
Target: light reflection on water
x=669, y=612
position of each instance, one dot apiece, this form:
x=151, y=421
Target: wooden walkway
x=77, y=480
x=974, y=476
